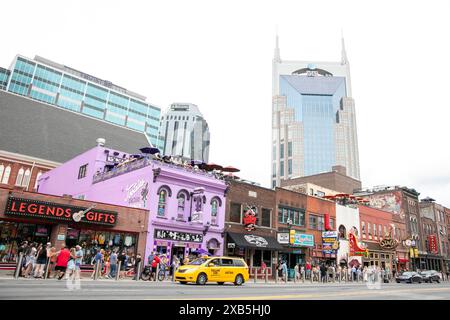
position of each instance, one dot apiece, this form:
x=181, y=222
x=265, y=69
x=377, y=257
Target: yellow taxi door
x=213, y=272
x=228, y=270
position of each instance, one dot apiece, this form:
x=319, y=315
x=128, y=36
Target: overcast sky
x=218, y=55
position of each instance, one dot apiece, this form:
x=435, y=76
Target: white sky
x=218, y=55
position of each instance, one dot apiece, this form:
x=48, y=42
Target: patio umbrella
x=213, y=166
x=230, y=169
x=150, y=150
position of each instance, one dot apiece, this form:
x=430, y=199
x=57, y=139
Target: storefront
x=256, y=250
x=296, y=249
x=38, y=218
x=431, y=262
x=379, y=257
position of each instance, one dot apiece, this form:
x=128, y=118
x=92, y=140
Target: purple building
x=186, y=206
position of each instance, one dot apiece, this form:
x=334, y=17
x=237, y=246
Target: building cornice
x=8, y=156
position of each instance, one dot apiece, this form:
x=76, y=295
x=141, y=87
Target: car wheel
x=183, y=282
x=221, y=283
x=201, y=279
x=239, y=280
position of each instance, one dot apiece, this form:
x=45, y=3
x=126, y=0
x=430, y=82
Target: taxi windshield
x=197, y=262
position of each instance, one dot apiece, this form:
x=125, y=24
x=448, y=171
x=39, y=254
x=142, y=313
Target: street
x=131, y=290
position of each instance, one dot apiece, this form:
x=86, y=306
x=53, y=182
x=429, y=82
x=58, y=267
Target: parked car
x=431, y=276
x=409, y=277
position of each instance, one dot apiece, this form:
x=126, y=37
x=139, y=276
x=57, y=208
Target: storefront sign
x=231, y=245
x=389, y=243
x=256, y=240
x=432, y=243
x=356, y=249
x=178, y=236
x=136, y=194
x=198, y=199
x=301, y=239
x=329, y=242
x=283, y=238
x=61, y=237
x=250, y=218
x=59, y=212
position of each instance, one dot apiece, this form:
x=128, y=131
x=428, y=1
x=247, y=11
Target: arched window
x=6, y=175
x=37, y=179
x=19, y=177
x=181, y=205
x=2, y=168
x=162, y=196
x=26, y=178
x=215, y=204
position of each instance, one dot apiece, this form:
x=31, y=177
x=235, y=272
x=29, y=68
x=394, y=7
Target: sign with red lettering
x=432, y=243
x=59, y=212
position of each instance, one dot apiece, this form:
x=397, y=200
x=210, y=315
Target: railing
x=141, y=163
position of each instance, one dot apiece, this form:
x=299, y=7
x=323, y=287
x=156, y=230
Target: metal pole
x=138, y=271
x=18, y=266
x=286, y=276
x=311, y=276
x=303, y=276
x=118, y=270
x=255, y=274
x=173, y=273
x=47, y=265
x=267, y=274
x=157, y=272
x=295, y=276
x=276, y=275
x=96, y=270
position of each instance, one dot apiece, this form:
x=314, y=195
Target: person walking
x=113, y=265
x=30, y=261
x=308, y=270
x=297, y=272
x=71, y=272
x=302, y=272
x=41, y=261
x=51, y=254
x=353, y=270
x=323, y=273
x=175, y=264
x=155, y=263
x=62, y=259
x=78, y=261
x=98, y=259
x=150, y=258
x=284, y=271
x=123, y=259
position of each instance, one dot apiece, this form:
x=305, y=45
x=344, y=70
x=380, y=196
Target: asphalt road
x=132, y=290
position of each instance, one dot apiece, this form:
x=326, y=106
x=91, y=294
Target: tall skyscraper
x=53, y=83
x=313, y=118
x=185, y=132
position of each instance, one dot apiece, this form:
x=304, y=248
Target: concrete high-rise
x=313, y=118
x=62, y=86
x=184, y=132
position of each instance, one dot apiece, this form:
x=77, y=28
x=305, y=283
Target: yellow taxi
x=213, y=269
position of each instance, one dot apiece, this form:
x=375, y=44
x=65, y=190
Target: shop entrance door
x=178, y=252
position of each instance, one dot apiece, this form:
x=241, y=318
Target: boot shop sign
x=59, y=212
x=178, y=236
x=250, y=218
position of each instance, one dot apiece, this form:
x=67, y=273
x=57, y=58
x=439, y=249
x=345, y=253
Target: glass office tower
x=4, y=77
x=62, y=86
x=313, y=119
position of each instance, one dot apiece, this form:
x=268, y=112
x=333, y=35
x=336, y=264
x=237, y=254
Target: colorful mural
x=388, y=202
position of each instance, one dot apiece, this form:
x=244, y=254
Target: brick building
x=41, y=218
x=258, y=244
x=303, y=218
x=336, y=180
x=376, y=226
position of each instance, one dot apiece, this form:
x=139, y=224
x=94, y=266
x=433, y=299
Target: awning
x=254, y=241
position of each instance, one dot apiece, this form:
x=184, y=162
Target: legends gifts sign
x=55, y=211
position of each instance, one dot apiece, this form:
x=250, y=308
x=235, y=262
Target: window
x=37, y=179
x=380, y=231
x=235, y=212
x=332, y=223
x=226, y=262
x=82, y=171
x=297, y=216
x=266, y=218
x=162, y=203
x=181, y=205
x=363, y=229
x=289, y=166
x=214, y=210
x=313, y=221
x=2, y=168
x=385, y=230
x=282, y=168
x=374, y=230
x=19, y=177
x=281, y=150
x=26, y=178
x=290, y=149
x=368, y=229
x=6, y=174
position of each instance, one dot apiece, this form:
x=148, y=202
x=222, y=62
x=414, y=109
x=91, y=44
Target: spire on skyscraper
x=276, y=56
x=344, y=59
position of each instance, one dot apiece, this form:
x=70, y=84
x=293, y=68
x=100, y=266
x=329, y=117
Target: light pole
x=289, y=224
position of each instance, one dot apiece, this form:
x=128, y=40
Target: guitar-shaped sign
x=80, y=214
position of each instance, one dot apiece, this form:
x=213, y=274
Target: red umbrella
x=230, y=169
x=213, y=166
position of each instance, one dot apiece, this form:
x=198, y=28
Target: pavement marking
x=315, y=295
